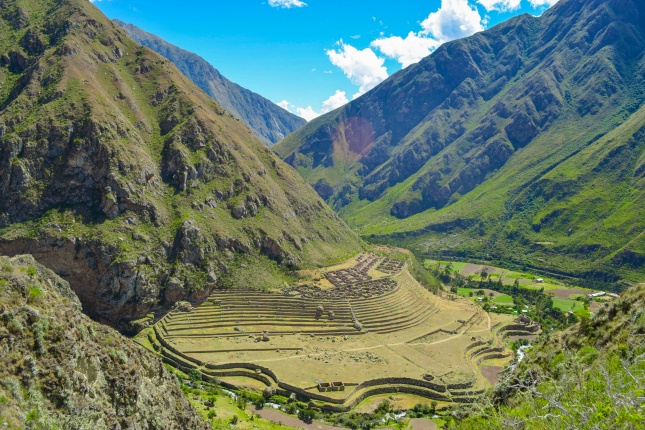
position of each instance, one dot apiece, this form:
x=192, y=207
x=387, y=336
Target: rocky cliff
x=126, y=179
x=59, y=369
x=268, y=121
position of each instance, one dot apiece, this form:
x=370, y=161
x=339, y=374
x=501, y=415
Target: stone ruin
x=390, y=266
x=359, y=290
x=326, y=387
x=353, y=275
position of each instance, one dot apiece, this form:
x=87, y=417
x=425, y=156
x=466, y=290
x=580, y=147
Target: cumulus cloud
x=539, y=3
x=406, y=51
x=307, y=113
x=363, y=67
x=334, y=102
x=501, y=5
x=284, y=105
x=287, y=4
x=454, y=20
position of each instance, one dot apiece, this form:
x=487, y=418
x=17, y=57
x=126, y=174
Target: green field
x=503, y=299
x=567, y=305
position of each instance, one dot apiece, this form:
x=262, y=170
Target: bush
x=307, y=415
x=34, y=293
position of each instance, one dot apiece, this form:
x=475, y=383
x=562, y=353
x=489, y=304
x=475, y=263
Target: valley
x=461, y=246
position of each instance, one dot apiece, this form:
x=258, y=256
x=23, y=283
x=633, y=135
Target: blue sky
x=314, y=55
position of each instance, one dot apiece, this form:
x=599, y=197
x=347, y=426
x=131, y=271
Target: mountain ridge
x=122, y=176
x=487, y=118
x=268, y=121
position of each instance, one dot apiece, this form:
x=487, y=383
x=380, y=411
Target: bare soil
x=421, y=424
x=564, y=293
x=491, y=373
x=276, y=416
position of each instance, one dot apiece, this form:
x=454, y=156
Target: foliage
x=591, y=376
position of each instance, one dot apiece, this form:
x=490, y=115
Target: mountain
x=268, y=121
x=126, y=179
x=525, y=143
x=59, y=369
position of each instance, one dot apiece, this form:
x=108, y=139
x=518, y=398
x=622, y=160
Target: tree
x=195, y=376
x=307, y=415
x=484, y=274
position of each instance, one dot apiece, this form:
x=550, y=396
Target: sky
x=312, y=56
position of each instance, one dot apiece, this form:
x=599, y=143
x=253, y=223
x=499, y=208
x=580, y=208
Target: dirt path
x=276, y=416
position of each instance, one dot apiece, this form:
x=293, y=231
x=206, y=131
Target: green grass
x=465, y=292
x=565, y=305
x=503, y=299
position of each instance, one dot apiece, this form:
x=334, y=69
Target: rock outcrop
x=60, y=369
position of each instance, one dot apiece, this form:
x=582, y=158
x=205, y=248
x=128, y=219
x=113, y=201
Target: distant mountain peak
x=268, y=121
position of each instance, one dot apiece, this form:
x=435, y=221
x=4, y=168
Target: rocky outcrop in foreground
x=59, y=369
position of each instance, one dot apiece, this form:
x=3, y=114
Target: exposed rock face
x=269, y=122
x=129, y=181
x=62, y=370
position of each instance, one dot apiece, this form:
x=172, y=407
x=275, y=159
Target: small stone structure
x=326, y=387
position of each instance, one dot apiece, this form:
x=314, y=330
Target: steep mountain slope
x=526, y=141
x=590, y=376
x=59, y=369
x=123, y=177
x=267, y=121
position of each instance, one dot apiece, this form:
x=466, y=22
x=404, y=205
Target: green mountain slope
x=122, y=176
x=590, y=376
x=61, y=370
x=525, y=142
x=269, y=122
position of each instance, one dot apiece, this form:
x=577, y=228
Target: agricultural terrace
x=344, y=333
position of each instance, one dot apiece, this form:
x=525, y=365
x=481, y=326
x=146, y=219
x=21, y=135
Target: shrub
x=34, y=293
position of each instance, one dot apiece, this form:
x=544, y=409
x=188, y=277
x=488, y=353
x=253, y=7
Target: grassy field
x=526, y=279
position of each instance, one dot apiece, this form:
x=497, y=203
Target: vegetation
x=590, y=376
x=268, y=122
x=59, y=369
x=497, y=156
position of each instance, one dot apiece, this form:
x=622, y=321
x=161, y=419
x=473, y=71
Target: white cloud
x=307, y=113
x=284, y=105
x=287, y=4
x=502, y=5
x=539, y=3
x=406, y=51
x=454, y=20
x=364, y=68
x=334, y=102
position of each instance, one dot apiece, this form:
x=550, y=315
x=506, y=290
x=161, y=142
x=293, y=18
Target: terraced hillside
x=337, y=342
